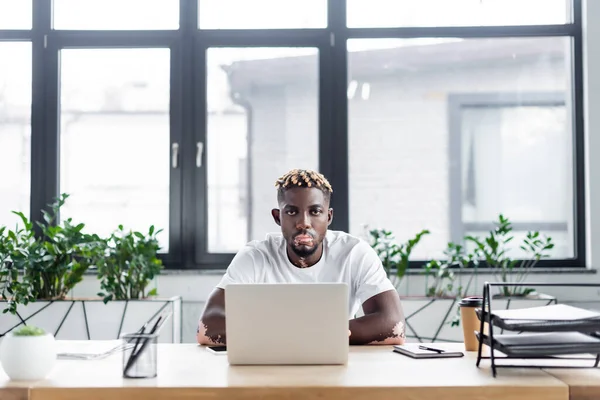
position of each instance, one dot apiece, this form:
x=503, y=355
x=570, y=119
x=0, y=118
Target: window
x=430, y=13
x=262, y=119
x=430, y=114
x=516, y=159
x=116, y=14
x=262, y=14
x=15, y=131
x=15, y=14
x=403, y=160
x=114, y=139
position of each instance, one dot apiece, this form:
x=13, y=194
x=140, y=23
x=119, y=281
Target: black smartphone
x=217, y=349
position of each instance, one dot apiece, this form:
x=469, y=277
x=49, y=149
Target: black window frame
x=188, y=226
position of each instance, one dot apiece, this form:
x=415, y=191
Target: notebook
x=425, y=350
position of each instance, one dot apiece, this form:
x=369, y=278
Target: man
x=306, y=251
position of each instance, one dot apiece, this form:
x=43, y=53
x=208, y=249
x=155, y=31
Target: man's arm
x=211, y=327
x=383, y=322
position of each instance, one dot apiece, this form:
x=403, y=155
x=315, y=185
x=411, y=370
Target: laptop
x=287, y=323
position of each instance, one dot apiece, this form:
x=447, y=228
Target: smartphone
x=217, y=349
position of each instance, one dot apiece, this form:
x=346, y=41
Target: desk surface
x=584, y=384
x=187, y=370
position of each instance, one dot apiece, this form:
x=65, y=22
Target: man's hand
x=383, y=322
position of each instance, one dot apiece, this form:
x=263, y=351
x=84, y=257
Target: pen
x=431, y=349
x=135, y=353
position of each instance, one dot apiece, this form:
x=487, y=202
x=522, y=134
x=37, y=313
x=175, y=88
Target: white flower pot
x=27, y=357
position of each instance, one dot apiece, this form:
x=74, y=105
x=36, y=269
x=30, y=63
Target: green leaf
x=527, y=291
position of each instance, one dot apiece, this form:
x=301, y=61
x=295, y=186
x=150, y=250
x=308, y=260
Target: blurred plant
x=29, y=330
x=456, y=257
x=48, y=265
x=394, y=257
x=129, y=265
x=493, y=250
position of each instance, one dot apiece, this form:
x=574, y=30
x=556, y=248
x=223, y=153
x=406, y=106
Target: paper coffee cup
x=469, y=321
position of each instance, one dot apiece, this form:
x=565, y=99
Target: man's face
x=304, y=216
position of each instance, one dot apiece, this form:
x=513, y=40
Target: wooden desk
x=584, y=384
x=14, y=393
x=189, y=371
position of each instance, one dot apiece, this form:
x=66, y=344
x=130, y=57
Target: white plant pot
x=27, y=357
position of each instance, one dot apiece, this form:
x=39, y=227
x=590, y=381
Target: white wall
x=195, y=287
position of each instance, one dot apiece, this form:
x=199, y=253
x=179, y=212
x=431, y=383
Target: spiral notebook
x=425, y=350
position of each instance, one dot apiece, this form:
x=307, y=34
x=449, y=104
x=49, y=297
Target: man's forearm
x=377, y=328
x=211, y=329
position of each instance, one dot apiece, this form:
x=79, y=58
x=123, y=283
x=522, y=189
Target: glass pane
x=398, y=13
x=15, y=14
x=15, y=131
x=116, y=14
x=262, y=14
x=412, y=153
x=260, y=102
x=509, y=156
x=505, y=150
x=115, y=138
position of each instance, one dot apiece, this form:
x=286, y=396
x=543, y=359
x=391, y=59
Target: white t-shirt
x=345, y=259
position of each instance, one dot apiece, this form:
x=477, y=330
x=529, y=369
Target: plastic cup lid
x=471, y=302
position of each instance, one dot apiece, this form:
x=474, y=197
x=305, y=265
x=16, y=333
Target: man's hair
x=303, y=178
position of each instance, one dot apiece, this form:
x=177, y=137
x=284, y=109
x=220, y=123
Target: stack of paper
x=551, y=330
x=558, y=317
x=546, y=344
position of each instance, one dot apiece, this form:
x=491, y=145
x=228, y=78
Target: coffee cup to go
x=469, y=321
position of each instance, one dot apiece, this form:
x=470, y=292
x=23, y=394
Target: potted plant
x=394, y=257
x=426, y=314
x=129, y=265
x=444, y=277
x=445, y=283
x=28, y=353
x=494, y=251
x=44, y=266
